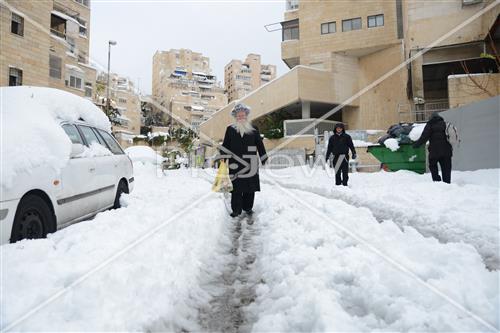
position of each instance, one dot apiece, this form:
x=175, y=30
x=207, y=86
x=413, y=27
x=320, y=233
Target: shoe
x=233, y=214
x=249, y=212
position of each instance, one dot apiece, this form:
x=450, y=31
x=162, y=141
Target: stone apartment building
x=362, y=63
x=242, y=77
x=46, y=43
x=184, y=86
x=123, y=98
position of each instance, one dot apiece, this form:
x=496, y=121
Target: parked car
x=45, y=200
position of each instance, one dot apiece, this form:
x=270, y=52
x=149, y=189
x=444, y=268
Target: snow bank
x=156, y=281
x=465, y=211
x=416, y=132
x=30, y=132
x=392, y=144
x=144, y=154
x=317, y=278
x=360, y=143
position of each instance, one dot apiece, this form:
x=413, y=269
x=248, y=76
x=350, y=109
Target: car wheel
x=33, y=216
x=122, y=188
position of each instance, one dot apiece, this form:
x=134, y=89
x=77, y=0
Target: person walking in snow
x=339, y=145
x=440, y=150
x=242, y=142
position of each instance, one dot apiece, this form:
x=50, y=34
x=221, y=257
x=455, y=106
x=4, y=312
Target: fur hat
x=240, y=107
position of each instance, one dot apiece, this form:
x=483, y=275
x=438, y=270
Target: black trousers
x=445, y=163
x=242, y=201
x=342, y=173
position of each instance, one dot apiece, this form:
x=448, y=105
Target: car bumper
x=7, y=212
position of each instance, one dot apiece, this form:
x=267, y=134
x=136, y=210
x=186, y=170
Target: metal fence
x=421, y=112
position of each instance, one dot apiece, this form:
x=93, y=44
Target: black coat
x=435, y=132
x=244, y=169
x=340, y=145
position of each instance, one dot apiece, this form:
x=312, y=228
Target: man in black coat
x=242, y=142
x=338, y=145
x=440, y=150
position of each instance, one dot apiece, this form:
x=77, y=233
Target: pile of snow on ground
x=144, y=154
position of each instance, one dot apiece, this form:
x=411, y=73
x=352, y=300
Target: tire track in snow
x=491, y=260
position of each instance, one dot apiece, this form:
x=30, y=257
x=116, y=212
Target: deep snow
x=465, y=211
x=322, y=259
x=38, y=112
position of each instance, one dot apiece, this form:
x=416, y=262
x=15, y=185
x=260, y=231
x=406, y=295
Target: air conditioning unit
x=470, y=2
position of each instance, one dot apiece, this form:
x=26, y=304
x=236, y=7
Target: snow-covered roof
x=38, y=112
x=197, y=107
x=74, y=68
x=199, y=73
x=120, y=117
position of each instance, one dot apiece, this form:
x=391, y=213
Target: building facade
x=46, y=43
x=242, y=77
x=371, y=64
x=184, y=86
x=126, y=103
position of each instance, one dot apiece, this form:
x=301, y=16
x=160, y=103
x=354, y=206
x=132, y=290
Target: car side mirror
x=76, y=150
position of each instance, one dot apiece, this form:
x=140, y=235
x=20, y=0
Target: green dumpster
x=405, y=158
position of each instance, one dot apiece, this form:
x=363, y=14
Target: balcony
x=290, y=53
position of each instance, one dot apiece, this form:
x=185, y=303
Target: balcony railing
x=421, y=112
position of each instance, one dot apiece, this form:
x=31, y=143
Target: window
x=375, y=21
x=83, y=2
x=88, y=89
x=75, y=82
x=55, y=64
x=89, y=135
x=351, y=24
x=72, y=133
x=83, y=31
x=58, y=26
x=328, y=28
x=290, y=30
x=111, y=142
x=17, y=25
x=15, y=77
x=122, y=100
x=292, y=4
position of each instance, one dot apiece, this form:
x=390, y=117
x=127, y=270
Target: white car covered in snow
x=60, y=163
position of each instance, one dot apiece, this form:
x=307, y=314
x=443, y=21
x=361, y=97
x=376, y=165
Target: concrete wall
x=479, y=128
x=462, y=90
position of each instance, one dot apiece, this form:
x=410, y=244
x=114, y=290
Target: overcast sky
x=221, y=30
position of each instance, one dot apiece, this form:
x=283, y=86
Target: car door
x=105, y=174
x=74, y=200
x=123, y=165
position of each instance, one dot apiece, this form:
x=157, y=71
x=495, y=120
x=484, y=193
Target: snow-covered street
x=312, y=258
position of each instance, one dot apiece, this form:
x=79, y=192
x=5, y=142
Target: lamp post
x=108, y=104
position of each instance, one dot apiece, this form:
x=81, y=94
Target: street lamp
x=108, y=104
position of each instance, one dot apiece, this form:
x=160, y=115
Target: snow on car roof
x=31, y=135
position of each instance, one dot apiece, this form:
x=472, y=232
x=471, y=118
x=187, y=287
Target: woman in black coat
x=244, y=147
x=440, y=150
